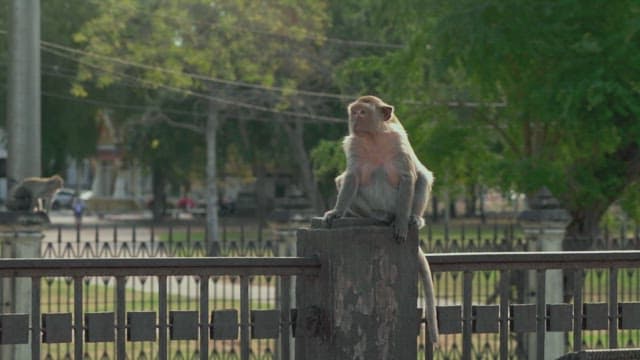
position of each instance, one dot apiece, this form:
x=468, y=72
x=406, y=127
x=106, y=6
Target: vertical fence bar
x=285, y=309
x=505, y=282
x=613, y=308
x=542, y=313
x=162, y=317
x=578, y=281
x=428, y=345
x=204, y=317
x=77, y=317
x=120, y=321
x=35, y=317
x=466, y=316
x=244, y=318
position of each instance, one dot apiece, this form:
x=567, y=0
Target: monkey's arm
x=346, y=194
x=404, y=200
x=424, y=182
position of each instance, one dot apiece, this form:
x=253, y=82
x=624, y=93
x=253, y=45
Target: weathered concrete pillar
x=21, y=236
x=544, y=225
x=363, y=304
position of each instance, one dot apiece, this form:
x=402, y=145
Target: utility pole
x=23, y=155
x=23, y=100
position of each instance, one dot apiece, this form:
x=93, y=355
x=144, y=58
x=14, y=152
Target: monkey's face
x=364, y=118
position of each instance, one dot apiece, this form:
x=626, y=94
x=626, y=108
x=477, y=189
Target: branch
x=156, y=116
x=501, y=131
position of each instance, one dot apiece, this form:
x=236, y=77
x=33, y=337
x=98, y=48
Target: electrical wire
x=155, y=85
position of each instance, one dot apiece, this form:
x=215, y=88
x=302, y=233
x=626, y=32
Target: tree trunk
x=158, y=205
x=258, y=171
x=296, y=139
x=622, y=164
x=212, y=189
x=470, y=200
x=261, y=200
x=583, y=229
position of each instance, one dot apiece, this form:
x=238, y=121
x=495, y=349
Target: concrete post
x=544, y=225
x=23, y=91
x=21, y=236
x=363, y=304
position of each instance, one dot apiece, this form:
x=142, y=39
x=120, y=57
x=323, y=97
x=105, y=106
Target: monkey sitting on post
x=34, y=193
x=384, y=180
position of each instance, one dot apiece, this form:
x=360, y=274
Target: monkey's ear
x=387, y=111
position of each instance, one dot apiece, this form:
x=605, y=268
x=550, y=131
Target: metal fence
x=162, y=241
x=162, y=330
x=83, y=332
x=492, y=330
x=187, y=240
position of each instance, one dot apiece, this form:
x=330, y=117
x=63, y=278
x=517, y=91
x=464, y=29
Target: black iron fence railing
x=509, y=327
x=186, y=239
x=159, y=327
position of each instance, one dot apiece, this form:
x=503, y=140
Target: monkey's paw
x=331, y=215
x=400, y=231
x=417, y=221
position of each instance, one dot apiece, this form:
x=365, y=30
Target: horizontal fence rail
x=533, y=260
x=159, y=266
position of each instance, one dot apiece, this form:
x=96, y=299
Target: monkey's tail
x=429, y=296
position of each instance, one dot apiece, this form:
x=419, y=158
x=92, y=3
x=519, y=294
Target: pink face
x=362, y=117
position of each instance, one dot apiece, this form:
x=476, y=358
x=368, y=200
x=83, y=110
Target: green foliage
x=156, y=146
x=229, y=40
x=160, y=45
x=630, y=202
x=568, y=72
x=328, y=162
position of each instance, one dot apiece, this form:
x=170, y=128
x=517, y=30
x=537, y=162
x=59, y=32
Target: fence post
x=20, y=237
x=363, y=303
x=544, y=225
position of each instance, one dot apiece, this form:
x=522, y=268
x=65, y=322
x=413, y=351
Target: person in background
x=77, y=205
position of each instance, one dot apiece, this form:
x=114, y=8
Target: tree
x=152, y=142
x=224, y=43
x=568, y=71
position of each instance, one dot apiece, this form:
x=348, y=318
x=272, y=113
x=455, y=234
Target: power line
x=114, y=105
x=194, y=75
x=151, y=84
x=189, y=74
x=472, y=104
x=136, y=80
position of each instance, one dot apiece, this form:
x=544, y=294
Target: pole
x=23, y=107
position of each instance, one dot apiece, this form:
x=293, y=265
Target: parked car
x=64, y=198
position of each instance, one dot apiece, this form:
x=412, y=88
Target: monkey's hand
x=417, y=221
x=400, y=231
x=331, y=215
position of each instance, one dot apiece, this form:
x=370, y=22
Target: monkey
x=34, y=193
x=384, y=180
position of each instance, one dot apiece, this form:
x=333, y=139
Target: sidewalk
x=66, y=217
